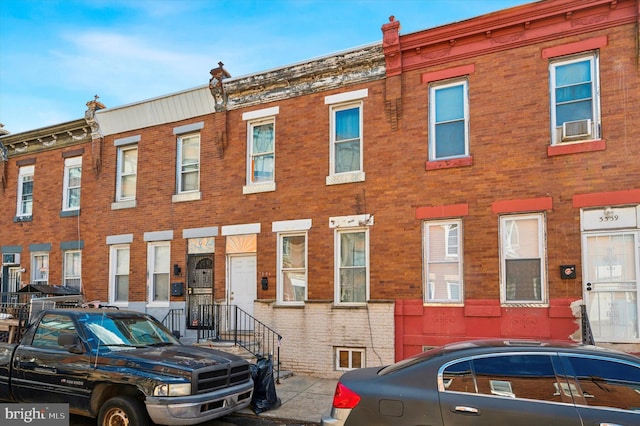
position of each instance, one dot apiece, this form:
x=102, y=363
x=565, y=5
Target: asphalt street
x=236, y=420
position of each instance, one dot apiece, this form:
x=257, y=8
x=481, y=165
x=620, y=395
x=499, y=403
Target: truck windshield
x=127, y=330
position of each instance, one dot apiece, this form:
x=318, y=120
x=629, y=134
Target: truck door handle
x=466, y=410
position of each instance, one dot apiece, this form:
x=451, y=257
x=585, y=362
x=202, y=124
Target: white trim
x=186, y=196
x=261, y=113
x=291, y=225
x=593, y=58
x=540, y=218
x=127, y=204
x=151, y=268
x=23, y=172
x=113, y=252
x=158, y=236
x=346, y=96
x=280, y=273
x=119, y=239
x=70, y=163
x=187, y=128
x=247, y=228
x=352, y=221
x=127, y=141
x=257, y=188
x=433, y=88
x=211, y=231
x=120, y=198
x=337, y=265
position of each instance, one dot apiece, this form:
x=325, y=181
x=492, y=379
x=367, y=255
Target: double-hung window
x=72, y=269
x=261, y=150
x=346, y=163
x=443, y=261
x=25, y=192
x=158, y=260
x=262, y=158
x=523, y=258
x=448, y=120
x=352, y=260
x=575, y=99
x=292, y=268
x=127, y=173
x=119, y=291
x=40, y=268
x=72, y=180
x=188, y=173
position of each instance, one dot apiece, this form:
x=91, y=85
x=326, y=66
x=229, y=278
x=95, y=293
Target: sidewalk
x=304, y=399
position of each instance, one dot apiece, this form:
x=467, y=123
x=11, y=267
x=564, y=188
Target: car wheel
x=123, y=411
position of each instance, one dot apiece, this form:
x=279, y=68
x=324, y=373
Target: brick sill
x=448, y=164
x=576, y=148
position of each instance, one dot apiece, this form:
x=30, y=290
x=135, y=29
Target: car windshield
x=412, y=360
x=127, y=330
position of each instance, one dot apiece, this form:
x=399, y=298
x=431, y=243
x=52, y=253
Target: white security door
x=611, y=269
x=242, y=282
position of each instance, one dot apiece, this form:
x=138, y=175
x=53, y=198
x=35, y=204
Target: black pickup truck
x=122, y=367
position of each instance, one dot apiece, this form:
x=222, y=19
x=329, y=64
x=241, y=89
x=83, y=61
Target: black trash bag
x=264, y=388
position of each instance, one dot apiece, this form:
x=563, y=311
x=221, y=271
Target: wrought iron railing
x=587, y=334
x=174, y=320
x=231, y=323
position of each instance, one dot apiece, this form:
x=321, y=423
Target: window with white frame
x=352, y=271
x=443, y=261
x=523, y=258
x=72, y=180
x=346, y=162
x=119, y=261
x=261, y=161
x=40, y=268
x=345, y=138
x=72, y=269
x=448, y=120
x=158, y=260
x=127, y=173
x=575, y=98
x=188, y=179
x=349, y=358
x=292, y=268
x=25, y=191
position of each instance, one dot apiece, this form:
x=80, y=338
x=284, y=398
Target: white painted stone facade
x=311, y=334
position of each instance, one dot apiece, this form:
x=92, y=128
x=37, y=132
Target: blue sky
x=55, y=55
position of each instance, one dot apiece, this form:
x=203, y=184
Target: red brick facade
x=511, y=168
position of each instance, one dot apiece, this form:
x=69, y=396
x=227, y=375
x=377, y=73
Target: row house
x=475, y=180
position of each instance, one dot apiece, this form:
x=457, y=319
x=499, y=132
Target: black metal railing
x=587, y=334
x=174, y=320
x=231, y=323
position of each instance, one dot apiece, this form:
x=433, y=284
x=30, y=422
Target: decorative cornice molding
x=339, y=70
x=46, y=138
x=506, y=29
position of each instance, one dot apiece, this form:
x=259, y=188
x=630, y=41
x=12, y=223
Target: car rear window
x=415, y=359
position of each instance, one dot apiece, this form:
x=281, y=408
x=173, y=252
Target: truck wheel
x=123, y=411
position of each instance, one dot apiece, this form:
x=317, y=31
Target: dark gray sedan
x=474, y=383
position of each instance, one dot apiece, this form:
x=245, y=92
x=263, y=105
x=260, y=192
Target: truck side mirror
x=70, y=342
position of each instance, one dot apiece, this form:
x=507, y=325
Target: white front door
x=611, y=269
x=242, y=286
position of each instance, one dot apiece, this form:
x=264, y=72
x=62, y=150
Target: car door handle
x=466, y=410
x=610, y=424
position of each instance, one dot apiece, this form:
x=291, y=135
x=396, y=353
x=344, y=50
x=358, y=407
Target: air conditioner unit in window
x=11, y=258
x=576, y=130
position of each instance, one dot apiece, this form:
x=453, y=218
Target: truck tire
x=123, y=411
